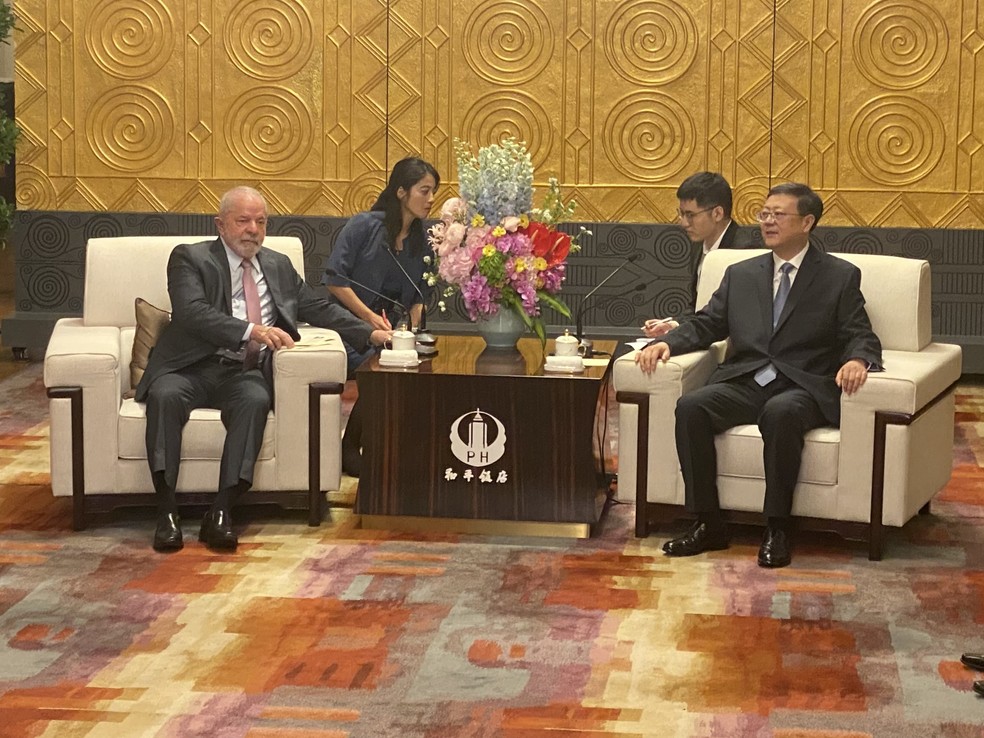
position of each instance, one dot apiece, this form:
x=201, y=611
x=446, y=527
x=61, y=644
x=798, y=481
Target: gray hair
x=235, y=194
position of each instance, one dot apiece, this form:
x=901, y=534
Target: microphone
x=586, y=347
x=332, y=273
x=423, y=336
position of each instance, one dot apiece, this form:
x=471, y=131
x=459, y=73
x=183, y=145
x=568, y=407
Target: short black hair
x=808, y=202
x=708, y=190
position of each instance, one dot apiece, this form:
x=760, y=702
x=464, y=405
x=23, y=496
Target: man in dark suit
x=799, y=337
x=233, y=304
x=705, y=214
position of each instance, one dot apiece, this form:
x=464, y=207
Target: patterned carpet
x=336, y=632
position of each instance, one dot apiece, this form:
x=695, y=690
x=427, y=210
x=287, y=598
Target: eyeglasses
x=764, y=216
x=687, y=216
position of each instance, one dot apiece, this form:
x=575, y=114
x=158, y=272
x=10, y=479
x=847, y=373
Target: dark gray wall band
x=50, y=257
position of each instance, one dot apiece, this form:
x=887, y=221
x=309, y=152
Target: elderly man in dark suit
x=705, y=215
x=233, y=304
x=799, y=337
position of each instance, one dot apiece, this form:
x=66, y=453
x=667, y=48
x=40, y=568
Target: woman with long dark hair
x=383, y=250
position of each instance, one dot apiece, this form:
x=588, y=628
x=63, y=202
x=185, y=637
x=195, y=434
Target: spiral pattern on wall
x=155, y=225
x=304, y=232
x=130, y=38
x=673, y=249
x=510, y=113
x=47, y=237
x=900, y=44
x=48, y=286
x=269, y=39
x=508, y=41
x=33, y=189
x=649, y=136
x=621, y=240
x=918, y=245
x=131, y=128
x=101, y=226
x=620, y=311
x=363, y=193
x=672, y=301
x=651, y=42
x=747, y=200
x=856, y=242
x=269, y=130
x=896, y=140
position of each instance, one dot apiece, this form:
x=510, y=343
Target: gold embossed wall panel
x=153, y=105
x=477, y=71
x=619, y=99
x=150, y=105
x=879, y=106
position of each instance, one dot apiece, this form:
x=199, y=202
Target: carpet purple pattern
x=341, y=632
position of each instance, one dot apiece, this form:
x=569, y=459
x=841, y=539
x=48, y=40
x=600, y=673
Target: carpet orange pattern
x=339, y=632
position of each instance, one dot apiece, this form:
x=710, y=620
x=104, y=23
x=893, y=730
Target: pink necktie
x=253, y=313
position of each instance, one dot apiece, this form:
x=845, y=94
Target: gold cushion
x=151, y=321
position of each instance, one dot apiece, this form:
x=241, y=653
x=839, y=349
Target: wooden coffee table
x=475, y=440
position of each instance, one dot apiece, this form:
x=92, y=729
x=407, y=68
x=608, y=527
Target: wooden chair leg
x=316, y=500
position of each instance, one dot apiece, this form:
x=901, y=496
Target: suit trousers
x=783, y=412
x=244, y=399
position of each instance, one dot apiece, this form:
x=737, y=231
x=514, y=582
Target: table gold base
x=480, y=527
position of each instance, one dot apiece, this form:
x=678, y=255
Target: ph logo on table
x=478, y=438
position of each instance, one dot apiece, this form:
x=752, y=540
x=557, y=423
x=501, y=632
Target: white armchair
x=890, y=456
x=98, y=453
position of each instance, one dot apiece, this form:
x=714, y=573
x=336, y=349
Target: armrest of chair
x=680, y=374
x=911, y=380
x=82, y=356
x=318, y=358
x=648, y=463
x=914, y=385
x=86, y=357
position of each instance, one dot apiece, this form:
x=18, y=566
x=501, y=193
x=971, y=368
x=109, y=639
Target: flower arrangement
x=493, y=247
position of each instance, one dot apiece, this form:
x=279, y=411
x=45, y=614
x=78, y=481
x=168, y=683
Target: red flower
x=552, y=245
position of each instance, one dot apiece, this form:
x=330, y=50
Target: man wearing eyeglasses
x=799, y=337
x=705, y=215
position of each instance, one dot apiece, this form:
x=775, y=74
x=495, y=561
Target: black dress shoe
x=973, y=660
x=167, y=536
x=701, y=537
x=216, y=531
x=351, y=461
x=774, y=552
x=979, y=688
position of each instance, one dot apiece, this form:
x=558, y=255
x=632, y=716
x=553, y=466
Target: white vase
x=502, y=330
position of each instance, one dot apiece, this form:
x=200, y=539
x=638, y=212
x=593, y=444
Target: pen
x=652, y=322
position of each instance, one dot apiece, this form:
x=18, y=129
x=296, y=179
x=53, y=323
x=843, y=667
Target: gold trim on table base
x=480, y=527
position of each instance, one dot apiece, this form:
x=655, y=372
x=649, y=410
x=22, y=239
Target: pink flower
x=480, y=297
x=510, y=223
x=478, y=237
x=456, y=266
x=454, y=234
x=454, y=210
x=435, y=235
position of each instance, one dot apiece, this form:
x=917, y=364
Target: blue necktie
x=768, y=372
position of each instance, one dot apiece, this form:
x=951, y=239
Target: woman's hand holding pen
x=380, y=322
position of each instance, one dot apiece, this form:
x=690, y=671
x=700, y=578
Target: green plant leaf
x=551, y=301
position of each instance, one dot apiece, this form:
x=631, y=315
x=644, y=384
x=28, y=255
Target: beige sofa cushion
x=739, y=454
x=203, y=436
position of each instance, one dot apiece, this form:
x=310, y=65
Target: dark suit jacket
x=200, y=286
x=823, y=325
x=727, y=242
